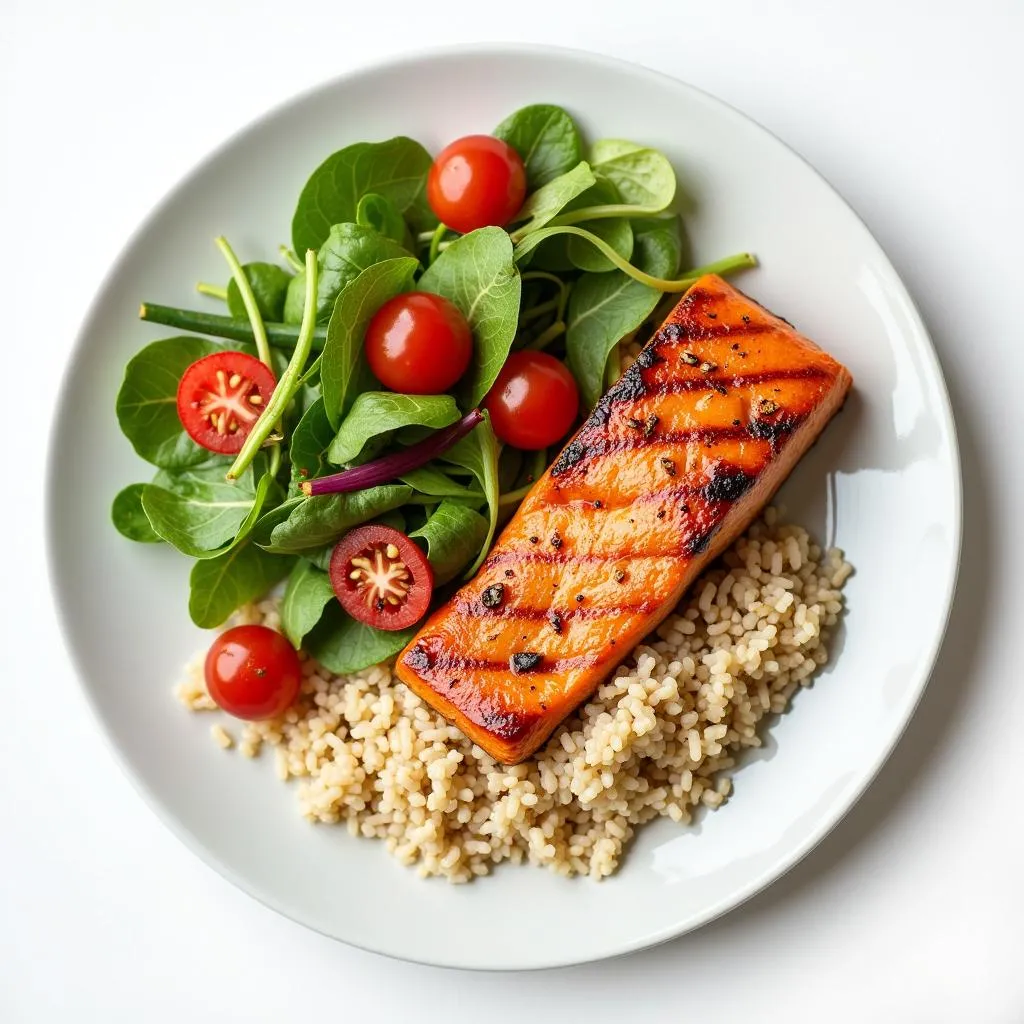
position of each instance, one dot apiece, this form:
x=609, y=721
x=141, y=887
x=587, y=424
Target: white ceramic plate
x=883, y=483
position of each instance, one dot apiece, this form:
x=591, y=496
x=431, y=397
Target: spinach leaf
x=643, y=176
x=478, y=452
x=197, y=510
x=510, y=465
x=348, y=251
x=310, y=438
x=343, y=645
x=550, y=199
x=295, y=299
x=435, y=482
x=605, y=308
x=321, y=520
x=343, y=372
x=547, y=139
x=269, y=285
x=217, y=586
x=309, y=591
x=375, y=413
x=478, y=273
x=381, y=214
x=147, y=404
x=453, y=535
x=396, y=169
x=616, y=231
x=273, y=517
x=129, y=517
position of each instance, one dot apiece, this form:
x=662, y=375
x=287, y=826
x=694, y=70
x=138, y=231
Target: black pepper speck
x=493, y=595
x=523, y=661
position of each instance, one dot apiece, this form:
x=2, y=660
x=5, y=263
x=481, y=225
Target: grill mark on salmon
x=447, y=663
x=583, y=449
x=513, y=612
x=507, y=673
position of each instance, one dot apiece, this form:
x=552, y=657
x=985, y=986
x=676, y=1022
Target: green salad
x=407, y=369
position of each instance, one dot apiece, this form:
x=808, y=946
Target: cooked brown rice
x=656, y=740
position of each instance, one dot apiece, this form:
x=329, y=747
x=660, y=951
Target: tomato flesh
x=419, y=344
x=220, y=397
x=533, y=402
x=381, y=577
x=475, y=182
x=253, y=672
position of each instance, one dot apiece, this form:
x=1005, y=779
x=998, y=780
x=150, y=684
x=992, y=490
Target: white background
x=911, y=911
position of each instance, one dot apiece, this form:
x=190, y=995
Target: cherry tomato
x=475, y=182
x=419, y=344
x=381, y=577
x=534, y=401
x=252, y=672
x=221, y=396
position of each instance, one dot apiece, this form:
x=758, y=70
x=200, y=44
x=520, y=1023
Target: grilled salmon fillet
x=671, y=466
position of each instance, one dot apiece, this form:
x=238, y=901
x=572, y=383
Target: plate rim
x=409, y=57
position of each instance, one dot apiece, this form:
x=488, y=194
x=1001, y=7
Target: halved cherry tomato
x=475, y=182
x=419, y=344
x=534, y=401
x=220, y=397
x=253, y=672
x=381, y=577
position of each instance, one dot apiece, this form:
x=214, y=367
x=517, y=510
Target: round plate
x=883, y=483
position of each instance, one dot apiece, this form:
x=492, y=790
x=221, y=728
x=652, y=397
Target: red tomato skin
x=418, y=579
x=533, y=402
x=199, y=385
x=476, y=181
x=253, y=672
x=418, y=343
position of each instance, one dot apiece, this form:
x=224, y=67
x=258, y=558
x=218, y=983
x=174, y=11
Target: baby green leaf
x=218, y=586
x=343, y=645
x=478, y=274
x=643, y=176
x=269, y=285
x=453, y=535
x=318, y=521
x=380, y=213
x=310, y=438
x=616, y=231
x=549, y=200
x=197, y=510
x=309, y=591
x=605, y=308
x=380, y=412
x=433, y=481
x=546, y=138
x=295, y=299
x=396, y=169
x=130, y=519
x=147, y=404
x=344, y=371
x=348, y=251
x=478, y=452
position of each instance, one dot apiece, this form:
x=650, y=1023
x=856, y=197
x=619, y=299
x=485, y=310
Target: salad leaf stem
x=216, y=325
x=289, y=382
x=390, y=467
x=540, y=310
x=435, y=242
x=291, y=259
x=213, y=290
x=548, y=335
x=723, y=266
x=604, y=211
x=259, y=332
